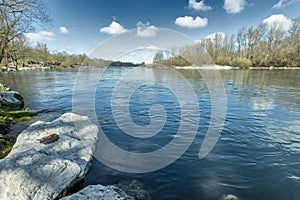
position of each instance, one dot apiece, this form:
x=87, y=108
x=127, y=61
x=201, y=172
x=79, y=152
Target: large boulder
x=48, y=158
x=99, y=192
x=11, y=100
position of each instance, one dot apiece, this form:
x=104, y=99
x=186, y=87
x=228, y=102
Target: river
x=256, y=157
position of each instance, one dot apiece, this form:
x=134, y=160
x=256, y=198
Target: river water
x=256, y=157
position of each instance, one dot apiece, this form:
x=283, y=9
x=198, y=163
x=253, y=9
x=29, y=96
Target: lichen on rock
x=49, y=139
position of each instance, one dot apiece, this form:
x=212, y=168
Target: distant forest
x=23, y=55
x=260, y=46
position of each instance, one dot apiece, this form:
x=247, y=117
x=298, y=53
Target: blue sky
x=78, y=26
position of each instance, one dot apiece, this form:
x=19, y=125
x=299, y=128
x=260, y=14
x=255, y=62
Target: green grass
x=5, y=122
x=9, y=117
x=15, y=116
x=6, y=119
x=6, y=144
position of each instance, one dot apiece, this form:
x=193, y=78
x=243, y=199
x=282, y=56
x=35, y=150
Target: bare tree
x=18, y=17
x=240, y=41
x=158, y=57
x=17, y=51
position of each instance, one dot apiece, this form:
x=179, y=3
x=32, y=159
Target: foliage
x=6, y=119
x=19, y=115
x=261, y=46
x=9, y=117
x=175, y=61
x=5, y=122
x=241, y=62
x=158, y=57
x=6, y=144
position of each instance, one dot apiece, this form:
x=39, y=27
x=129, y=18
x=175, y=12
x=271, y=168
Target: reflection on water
x=256, y=157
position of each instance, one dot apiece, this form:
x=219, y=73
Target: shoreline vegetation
x=188, y=67
x=220, y=67
x=11, y=112
x=263, y=47
x=7, y=119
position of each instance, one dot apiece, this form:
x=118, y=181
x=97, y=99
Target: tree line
x=21, y=55
x=18, y=17
x=261, y=46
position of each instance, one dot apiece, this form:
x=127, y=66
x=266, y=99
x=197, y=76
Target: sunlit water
x=256, y=157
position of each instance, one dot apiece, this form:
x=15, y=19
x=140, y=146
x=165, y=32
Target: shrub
x=241, y=62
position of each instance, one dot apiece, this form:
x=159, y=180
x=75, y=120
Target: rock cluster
x=37, y=170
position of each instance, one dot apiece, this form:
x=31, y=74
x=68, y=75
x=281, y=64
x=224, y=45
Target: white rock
x=24, y=68
x=229, y=197
x=34, y=170
x=99, y=192
x=3, y=69
x=10, y=69
x=12, y=100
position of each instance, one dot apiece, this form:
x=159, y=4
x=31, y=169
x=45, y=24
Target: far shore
x=204, y=67
x=220, y=67
x=208, y=67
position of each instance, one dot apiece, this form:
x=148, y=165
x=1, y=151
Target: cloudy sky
x=78, y=26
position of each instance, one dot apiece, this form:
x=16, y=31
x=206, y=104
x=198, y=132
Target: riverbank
x=274, y=68
x=217, y=67
x=206, y=67
x=220, y=67
x=13, y=69
x=11, y=112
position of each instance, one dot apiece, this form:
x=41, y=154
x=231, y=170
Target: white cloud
x=190, y=22
x=234, y=6
x=213, y=35
x=113, y=29
x=42, y=36
x=63, y=30
x=150, y=48
x=193, y=4
x=279, y=20
x=282, y=3
x=145, y=30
